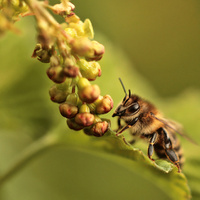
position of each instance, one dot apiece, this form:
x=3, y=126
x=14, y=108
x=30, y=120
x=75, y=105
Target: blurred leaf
x=92, y=168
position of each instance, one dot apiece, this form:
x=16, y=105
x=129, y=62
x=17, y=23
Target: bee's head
x=129, y=105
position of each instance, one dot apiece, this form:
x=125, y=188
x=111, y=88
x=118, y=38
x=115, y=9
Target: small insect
x=145, y=121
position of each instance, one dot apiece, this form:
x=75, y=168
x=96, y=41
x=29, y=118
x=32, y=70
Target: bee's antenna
x=129, y=93
x=123, y=86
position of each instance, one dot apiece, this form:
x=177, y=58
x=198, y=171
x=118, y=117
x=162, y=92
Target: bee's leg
x=150, y=148
x=131, y=123
x=169, y=151
x=119, y=124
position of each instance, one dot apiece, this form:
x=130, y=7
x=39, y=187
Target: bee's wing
x=175, y=127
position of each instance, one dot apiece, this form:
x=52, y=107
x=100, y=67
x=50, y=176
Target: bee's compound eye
x=134, y=108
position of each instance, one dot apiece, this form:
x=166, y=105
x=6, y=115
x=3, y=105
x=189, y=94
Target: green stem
x=27, y=155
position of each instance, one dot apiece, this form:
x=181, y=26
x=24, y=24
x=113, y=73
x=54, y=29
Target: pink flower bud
x=73, y=125
x=71, y=71
x=96, y=52
x=67, y=110
x=56, y=74
x=104, y=105
x=89, y=93
x=84, y=119
x=57, y=95
x=81, y=46
x=100, y=128
x=54, y=61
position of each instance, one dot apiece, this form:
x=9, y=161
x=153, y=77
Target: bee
x=145, y=121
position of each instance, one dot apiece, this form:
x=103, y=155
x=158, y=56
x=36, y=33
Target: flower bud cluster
x=73, y=58
x=82, y=108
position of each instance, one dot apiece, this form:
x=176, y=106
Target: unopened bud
x=104, y=105
x=96, y=52
x=57, y=95
x=72, y=32
x=56, y=74
x=68, y=110
x=100, y=128
x=54, y=61
x=82, y=83
x=71, y=71
x=81, y=46
x=89, y=93
x=20, y=7
x=92, y=107
x=78, y=27
x=72, y=99
x=84, y=119
x=65, y=85
x=73, y=125
x=69, y=61
x=89, y=70
x=84, y=109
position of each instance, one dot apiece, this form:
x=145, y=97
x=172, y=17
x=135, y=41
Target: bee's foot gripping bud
x=114, y=114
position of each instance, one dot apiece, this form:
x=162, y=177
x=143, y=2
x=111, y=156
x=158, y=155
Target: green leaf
x=94, y=167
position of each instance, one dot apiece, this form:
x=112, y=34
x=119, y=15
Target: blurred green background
x=154, y=47
x=161, y=38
